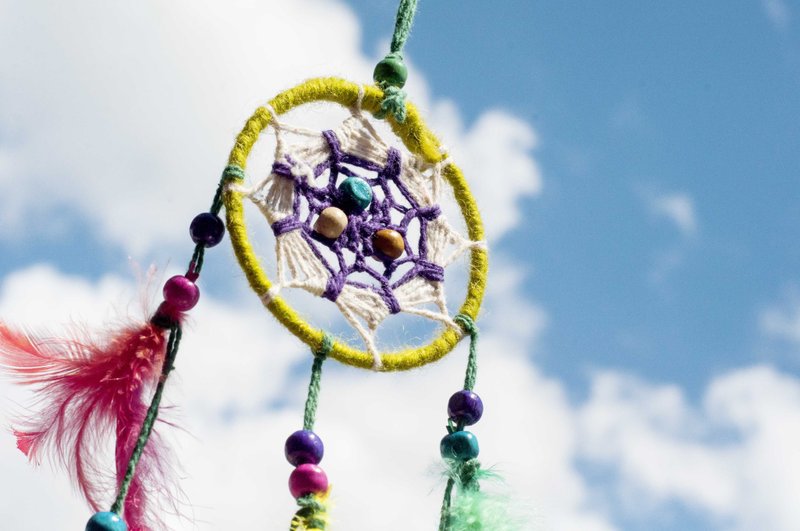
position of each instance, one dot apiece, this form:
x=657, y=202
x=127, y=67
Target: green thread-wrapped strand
x=230, y=173
x=464, y=473
x=149, y=419
x=402, y=24
x=391, y=72
x=466, y=322
x=312, y=399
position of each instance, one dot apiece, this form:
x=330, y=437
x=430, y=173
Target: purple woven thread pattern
x=357, y=236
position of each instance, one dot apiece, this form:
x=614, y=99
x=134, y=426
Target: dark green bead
x=391, y=71
x=461, y=445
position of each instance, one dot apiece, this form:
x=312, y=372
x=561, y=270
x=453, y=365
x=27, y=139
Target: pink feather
x=88, y=391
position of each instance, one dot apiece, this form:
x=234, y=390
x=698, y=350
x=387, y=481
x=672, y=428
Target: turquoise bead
x=391, y=71
x=106, y=521
x=355, y=194
x=461, y=445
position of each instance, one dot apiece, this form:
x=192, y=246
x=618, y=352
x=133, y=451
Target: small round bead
x=207, y=228
x=355, y=194
x=461, y=445
x=307, y=479
x=106, y=521
x=304, y=446
x=181, y=293
x=389, y=242
x=465, y=407
x=391, y=71
x=331, y=222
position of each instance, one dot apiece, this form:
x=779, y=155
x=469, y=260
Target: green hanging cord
x=463, y=473
x=312, y=399
x=391, y=72
x=232, y=172
x=312, y=515
x=149, y=419
x=468, y=324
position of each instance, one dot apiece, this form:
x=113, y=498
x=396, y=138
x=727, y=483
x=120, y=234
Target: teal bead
x=461, y=445
x=106, y=521
x=355, y=194
x=391, y=71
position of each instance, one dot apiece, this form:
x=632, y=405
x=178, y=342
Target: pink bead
x=181, y=293
x=307, y=479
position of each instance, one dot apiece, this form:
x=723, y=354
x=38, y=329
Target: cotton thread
x=419, y=141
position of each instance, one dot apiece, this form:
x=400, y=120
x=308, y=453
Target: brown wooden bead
x=331, y=223
x=389, y=242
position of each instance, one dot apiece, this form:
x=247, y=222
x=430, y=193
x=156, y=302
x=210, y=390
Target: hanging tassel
x=471, y=507
x=313, y=513
x=88, y=390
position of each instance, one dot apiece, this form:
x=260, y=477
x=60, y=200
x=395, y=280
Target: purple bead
x=465, y=407
x=304, y=446
x=307, y=479
x=207, y=228
x=181, y=293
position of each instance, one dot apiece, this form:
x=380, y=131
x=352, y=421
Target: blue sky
x=634, y=99
x=646, y=294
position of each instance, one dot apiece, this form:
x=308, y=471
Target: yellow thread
x=419, y=140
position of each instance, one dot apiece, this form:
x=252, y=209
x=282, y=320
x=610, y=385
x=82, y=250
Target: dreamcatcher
x=357, y=222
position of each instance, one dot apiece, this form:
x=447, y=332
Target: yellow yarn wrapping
x=419, y=140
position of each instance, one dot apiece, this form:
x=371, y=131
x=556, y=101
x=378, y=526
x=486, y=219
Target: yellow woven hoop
x=418, y=140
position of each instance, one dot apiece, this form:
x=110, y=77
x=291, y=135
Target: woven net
x=366, y=285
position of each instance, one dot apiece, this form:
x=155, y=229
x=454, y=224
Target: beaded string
x=308, y=483
x=391, y=72
x=180, y=295
x=459, y=447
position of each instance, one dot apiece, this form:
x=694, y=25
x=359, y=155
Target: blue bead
x=207, y=228
x=465, y=407
x=304, y=446
x=106, y=521
x=461, y=445
x=355, y=194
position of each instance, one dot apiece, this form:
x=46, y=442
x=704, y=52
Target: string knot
x=467, y=323
x=325, y=347
x=394, y=103
x=233, y=171
x=390, y=75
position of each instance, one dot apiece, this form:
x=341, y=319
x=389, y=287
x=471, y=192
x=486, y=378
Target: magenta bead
x=181, y=293
x=307, y=479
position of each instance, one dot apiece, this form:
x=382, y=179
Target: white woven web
x=304, y=263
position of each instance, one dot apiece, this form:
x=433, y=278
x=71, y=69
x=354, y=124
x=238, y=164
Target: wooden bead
x=331, y=222
x=389, y=242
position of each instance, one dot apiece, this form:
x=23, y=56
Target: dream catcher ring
x=378, y=243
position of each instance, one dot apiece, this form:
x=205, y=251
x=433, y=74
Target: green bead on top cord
x=391, y=71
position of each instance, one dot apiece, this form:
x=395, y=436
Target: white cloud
x=782, y=321
x=130, y=111
x=381, y=430
x=678, y=208
x=733, y=458
x=778, y=13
